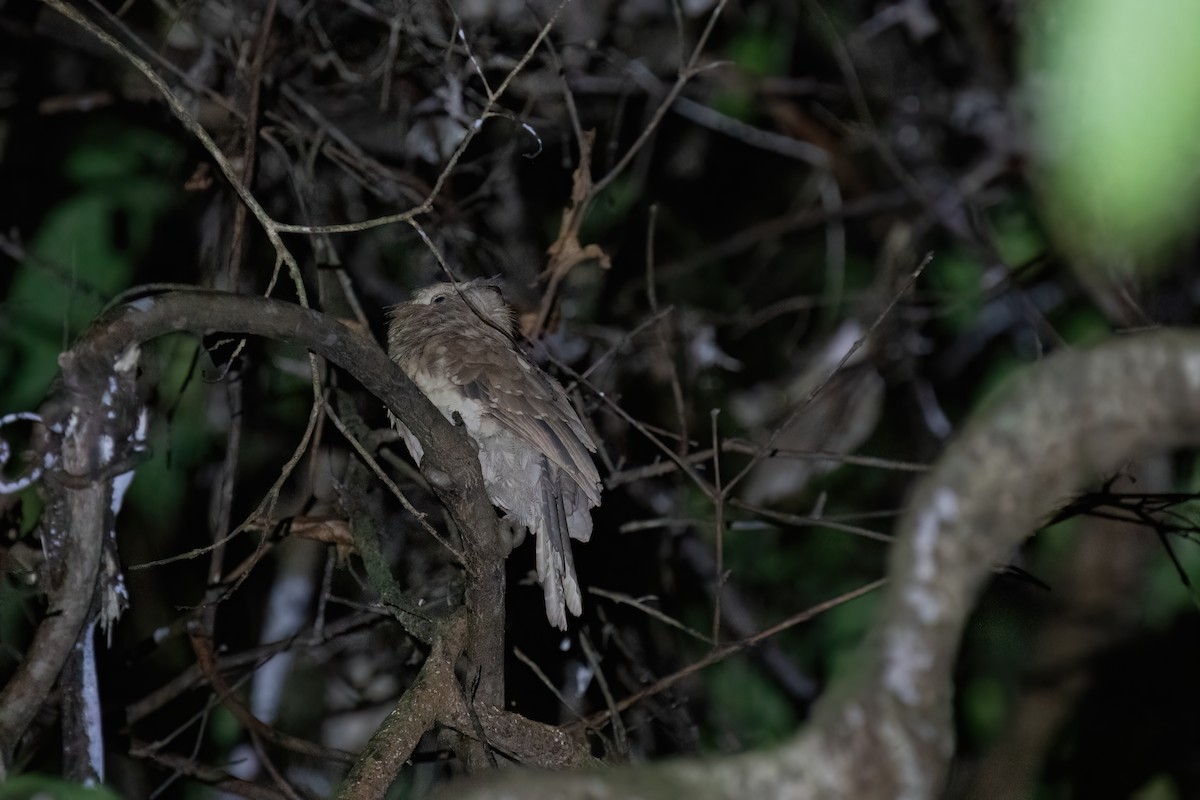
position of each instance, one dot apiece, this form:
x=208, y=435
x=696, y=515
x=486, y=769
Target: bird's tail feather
x=555, y=563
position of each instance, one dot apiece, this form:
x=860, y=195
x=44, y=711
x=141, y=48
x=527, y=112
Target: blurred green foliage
x=838, y=632
x=44, y=787
x=611, y=209
x=1116, y=110
x=1017, y=237
x=957, y=278
x=1161, y=787
x=86, y=249
x=224, y=729
x=1166, y=596
x=752, y=710
x=759, y=49
x=985, y=702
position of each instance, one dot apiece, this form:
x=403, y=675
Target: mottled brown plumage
x=534, y=451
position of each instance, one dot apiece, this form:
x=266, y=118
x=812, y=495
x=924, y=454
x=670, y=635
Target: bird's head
x=484, y=296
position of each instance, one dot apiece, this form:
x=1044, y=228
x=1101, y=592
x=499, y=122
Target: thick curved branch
x=887, y=731
x=453, y=469
x=1078, y=416
x=207, y=312
x=451, y=466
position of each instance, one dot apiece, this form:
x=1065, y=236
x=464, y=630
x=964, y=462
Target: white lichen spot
x=922, y=597
x=925, y=603
x=1191, y=370
x=942, y=507
x=110, y=389
x=107, y=447
x=530, y=130
x=90, y=697
x=19, y=484
x=583, y=678
x=143, y=425
x=28, y=416
x=906, y=659
x=128, y=359
x=120, y=486
x=142, y=304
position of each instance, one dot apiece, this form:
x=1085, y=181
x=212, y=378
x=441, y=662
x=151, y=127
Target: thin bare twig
x=766, y=448
x=426, y=205
x=391, y=485
x=749, y=448
x=719, y=510
x=650, y=611
x=722, y=653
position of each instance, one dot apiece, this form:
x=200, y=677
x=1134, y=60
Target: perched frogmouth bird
x=456, y=345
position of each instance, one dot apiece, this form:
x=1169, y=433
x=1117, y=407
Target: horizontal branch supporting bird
x=451, y=466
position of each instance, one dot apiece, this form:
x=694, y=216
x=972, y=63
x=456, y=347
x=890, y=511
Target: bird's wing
x=531, y=404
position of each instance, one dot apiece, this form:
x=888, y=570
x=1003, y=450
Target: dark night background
x=778, y=208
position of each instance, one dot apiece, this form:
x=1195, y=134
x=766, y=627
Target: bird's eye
x=439, y=298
